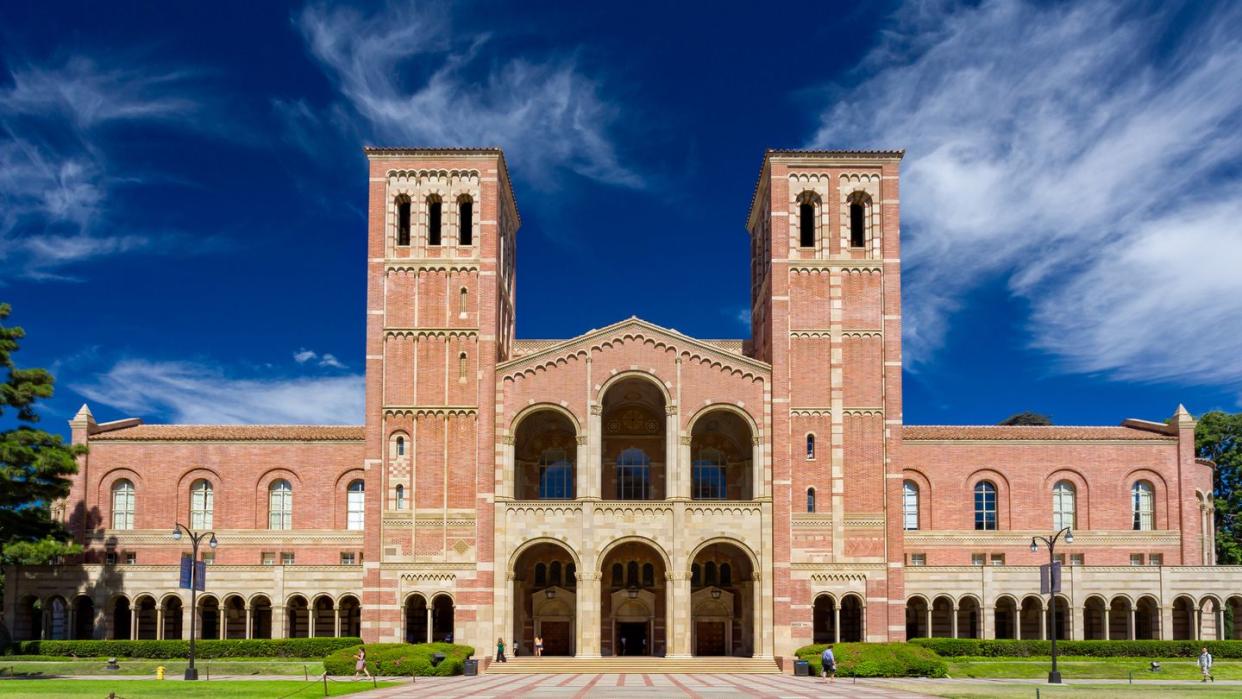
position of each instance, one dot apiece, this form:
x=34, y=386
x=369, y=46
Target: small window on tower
x=810, y=499
x=858, y=224
x=462, y=299
x=403, y=220
x=806, y=225
x=461, y=367
x=465, y=220
x=433, y=221
x=810, y=447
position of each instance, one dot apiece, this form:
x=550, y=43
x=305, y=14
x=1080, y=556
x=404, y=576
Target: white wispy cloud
x=416, y=83
x=1084, y=152
x=55, y=174
x=302, y=356
x=200, y=393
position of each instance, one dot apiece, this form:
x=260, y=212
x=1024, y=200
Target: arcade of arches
x=1098, y=619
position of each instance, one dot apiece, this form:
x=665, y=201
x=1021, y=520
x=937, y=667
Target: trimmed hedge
x=952, y=647
x=877, y=660
x=401, y=659
x=234, y=648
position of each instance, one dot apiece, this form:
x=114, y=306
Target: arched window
x=554, y=573
x=123, y=504
x=810, y=499
x=709, y=476
x=403, y=220
x=433, y=221
x=462, y=298
x=556, y=475
x=541, y=575
x=280, y=505
x=465, y=221
x=400, y=446
x=709, y=573
x=1143, y=503
x=618, y=575
x=461, y=367
x=1063, y=510
x=910, y=505
x=571, y=575
x=355, y=505
x=858, y=223
x=985, y=506
x=695, y=575
x=633, y=471
x=648, y=575
x=202, y=504
x=810, y=447
x=631, y=574
x=400, y=496
x=806, y=225
x=726, y=575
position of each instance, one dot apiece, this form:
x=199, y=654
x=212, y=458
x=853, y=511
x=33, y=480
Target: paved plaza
x=626, y=685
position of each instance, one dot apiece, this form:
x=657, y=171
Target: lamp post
x=196, y=538
x=1054, y=677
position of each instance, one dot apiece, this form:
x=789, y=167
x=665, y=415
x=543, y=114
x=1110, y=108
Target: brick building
x=634, y=490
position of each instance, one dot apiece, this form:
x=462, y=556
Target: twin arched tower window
x=465, y=220
x=858, y=203
x=806, y=225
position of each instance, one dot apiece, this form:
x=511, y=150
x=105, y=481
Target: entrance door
x=632, y=639
x=709, y=638
x=555, y=637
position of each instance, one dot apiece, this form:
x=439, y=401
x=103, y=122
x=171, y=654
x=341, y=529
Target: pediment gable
x=634, y=328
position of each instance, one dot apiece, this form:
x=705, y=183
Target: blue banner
x=184, y=582
x=200, y=575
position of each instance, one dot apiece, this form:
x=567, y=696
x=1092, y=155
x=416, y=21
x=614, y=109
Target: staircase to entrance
x=633, y=664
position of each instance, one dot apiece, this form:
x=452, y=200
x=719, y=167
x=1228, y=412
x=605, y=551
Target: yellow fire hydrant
x=159, y=672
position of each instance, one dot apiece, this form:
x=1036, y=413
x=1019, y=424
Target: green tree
x=35, y=466
x=1027, y=418
x=1219, y=437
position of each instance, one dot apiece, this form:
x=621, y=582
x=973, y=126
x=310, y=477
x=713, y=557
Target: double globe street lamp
x=196, y=538
x=1054, y=586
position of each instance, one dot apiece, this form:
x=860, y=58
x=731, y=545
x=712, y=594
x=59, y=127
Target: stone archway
x=545, y=454
x=722, y=601
x=545, y=594
x=634, y=598
x=721, y=456
x=634, y=441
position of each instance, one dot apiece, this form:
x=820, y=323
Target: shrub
x=877, y=660
x=235, y=648
x=951, y=647
x=401, y=659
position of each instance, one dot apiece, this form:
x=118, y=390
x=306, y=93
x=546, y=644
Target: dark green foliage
x=877, y=660
x=953, y=647
x=401, y=659
x=236, y=648
x=1219, y=437
x=1027, y=418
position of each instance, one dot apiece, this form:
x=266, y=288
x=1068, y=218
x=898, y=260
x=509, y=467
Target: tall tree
x=1027, y=418
x=1219, y=438
x=35, y=466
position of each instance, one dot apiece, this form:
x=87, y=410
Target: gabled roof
x=632, y=324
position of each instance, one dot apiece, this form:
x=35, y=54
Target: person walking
x=538, y=646
x=360, y=663
x=1205, y=664
x=828, y=663
x=500, y=651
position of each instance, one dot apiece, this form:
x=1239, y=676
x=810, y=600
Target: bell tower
x=826, y=313
x=440, y=315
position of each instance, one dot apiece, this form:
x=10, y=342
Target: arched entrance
x=969, y=619
x=916, y=619
x=1147, y=619
x=208, y=617
x=442, y=618
x=721, y=450
x=349, y=616
x=1233, y=618
x=144, y=608
x=260, y=617
x=942, y=617
x=1119, y=619
x=1032, y=621
x=633, y=597
x=122, y=619
x=234, y=617
x=824, y=619
x=323, y=621
x=1093, y=619
x=545, y=599
x=57, y=619
x=173, y=613
x=83, y=618
x=297, y=617
x=544, y=457
x=634, y=426
x=853, y=621
x=722, y=593
x=29, y=622
x=417, y=619
x=1006, y=617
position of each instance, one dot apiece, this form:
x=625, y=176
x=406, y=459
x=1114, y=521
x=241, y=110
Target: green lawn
x=1083, y=668
x=1001, y=690
x=20, y=665
x=141, y=689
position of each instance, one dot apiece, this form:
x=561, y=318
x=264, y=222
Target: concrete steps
x=632, y=664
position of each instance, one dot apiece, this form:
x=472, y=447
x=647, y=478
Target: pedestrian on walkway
x=500, y=650
x=828, y=663
x=1205, y=664
x=538, y=646
x=360, y=663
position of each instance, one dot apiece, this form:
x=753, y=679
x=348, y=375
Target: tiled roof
x=844, y=154
x=1017, y=433
x=235, y=433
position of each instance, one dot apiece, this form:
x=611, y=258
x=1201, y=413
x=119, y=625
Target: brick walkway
x=652, y=685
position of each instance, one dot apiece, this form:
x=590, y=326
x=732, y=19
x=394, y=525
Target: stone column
x=758, y=621
x=186, y=612
x=249, y=622
x=1017, y=622
x=589, y=618
x=1108, y=631
x=71, y=633
x=278, y=621
x=670, y=620
x=1043, y=624
x=953, y=623
x=928, y=615
x=159, y=623
x=336, y=622
x=133, y=624
x=680, y=581
x=1080, y=623
x=683, y=458
x=673, y=476
x=1130, y=624
x=1196, y=620
x=595, y=452
x=222, y=622
x=836, y=622
x=863, y=621
x=428, y=610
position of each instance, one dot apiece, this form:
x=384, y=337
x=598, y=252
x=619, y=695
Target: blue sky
x=182, y=186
